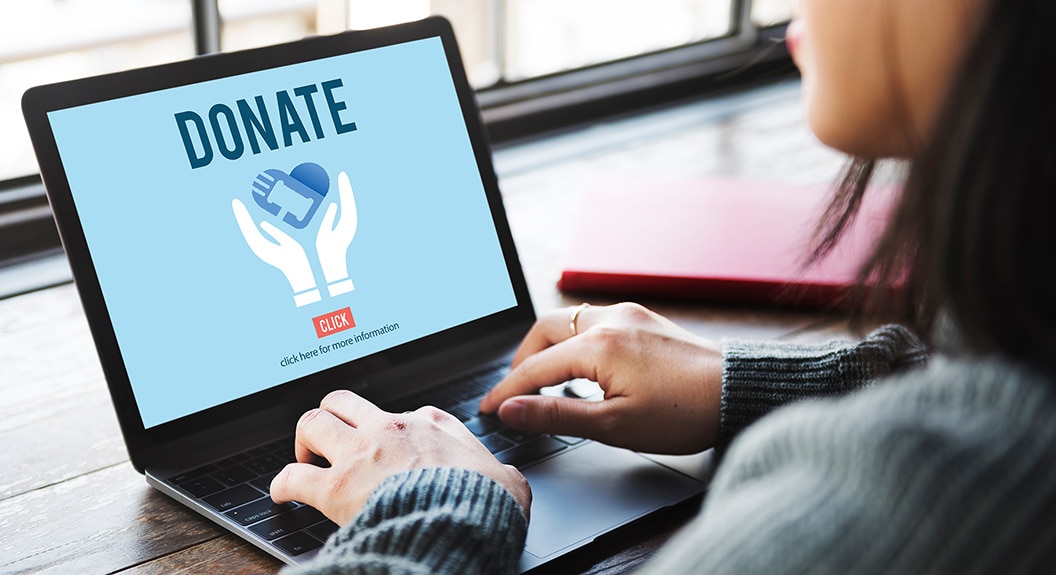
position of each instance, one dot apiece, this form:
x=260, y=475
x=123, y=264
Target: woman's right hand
x=662, y=384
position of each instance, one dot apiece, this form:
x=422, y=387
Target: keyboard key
x=258, y=511
x=265, y=464
x=531, y=451
x=229, y=461
x=461, y=415
x=264, y=483
x=231, y=498
x=435, y=398
x=463, y=393
x=202, y=486
x=279, y=445
x=192, y=474
x=483, y=425
x=282, y=449
x=286, y=456
x=258, y=451
x=495, y=444
x=323, y=530
x=471, y=407
x=297, y=543
x=570, y=440
x=517, y=436
x=286, y=523
x=234, y=475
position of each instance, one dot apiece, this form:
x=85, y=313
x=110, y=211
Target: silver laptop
x=249, y=231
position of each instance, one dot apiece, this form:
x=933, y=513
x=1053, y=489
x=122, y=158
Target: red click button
x=333, y=322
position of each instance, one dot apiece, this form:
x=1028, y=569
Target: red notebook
x=716, y=239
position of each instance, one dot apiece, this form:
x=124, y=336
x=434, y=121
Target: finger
x=557, y=415
x=278, y=236
x=298, y=482
x=349, y=215
x=556, y=364
x=245, y=221
x=328, y=217
x=350, y=408
x=344, y=187
x=320, y=433
x=241, y=213
x=550, y=329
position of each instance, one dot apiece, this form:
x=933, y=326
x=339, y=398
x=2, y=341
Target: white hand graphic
x=281, y=251
x=333, y=239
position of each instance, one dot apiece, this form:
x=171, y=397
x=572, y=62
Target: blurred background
x=516, y=51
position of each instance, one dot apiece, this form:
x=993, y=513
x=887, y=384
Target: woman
x=943, y=467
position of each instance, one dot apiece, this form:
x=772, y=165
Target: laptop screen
x=251, y=230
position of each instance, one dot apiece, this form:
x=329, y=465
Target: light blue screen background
x=199, y=318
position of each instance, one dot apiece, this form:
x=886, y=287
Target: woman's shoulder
x=925, y=466
x=978, y=386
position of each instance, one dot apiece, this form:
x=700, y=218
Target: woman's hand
x=364, y=445
x=662, y=384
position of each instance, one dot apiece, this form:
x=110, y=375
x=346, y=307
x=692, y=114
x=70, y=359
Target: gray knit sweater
x=949, y=468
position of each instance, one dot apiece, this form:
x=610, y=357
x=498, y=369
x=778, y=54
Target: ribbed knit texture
x=759, y=376
x=437, y=520
x=947, y=470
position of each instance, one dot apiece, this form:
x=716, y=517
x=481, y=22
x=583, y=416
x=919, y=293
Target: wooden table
x=70, y=502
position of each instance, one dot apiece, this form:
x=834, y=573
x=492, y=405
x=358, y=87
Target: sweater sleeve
x=758, y=376
x=438, y=520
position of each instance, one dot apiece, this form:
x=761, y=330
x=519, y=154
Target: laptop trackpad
x=591, y=490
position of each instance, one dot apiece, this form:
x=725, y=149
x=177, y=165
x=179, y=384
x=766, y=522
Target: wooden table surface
x=70, y=502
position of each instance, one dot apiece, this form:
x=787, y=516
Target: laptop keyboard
x=461, y=399
x=238, y=486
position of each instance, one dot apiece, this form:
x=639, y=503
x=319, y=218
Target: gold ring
x=575, y=316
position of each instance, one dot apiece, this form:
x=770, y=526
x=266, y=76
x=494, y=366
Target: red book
x=716, y=239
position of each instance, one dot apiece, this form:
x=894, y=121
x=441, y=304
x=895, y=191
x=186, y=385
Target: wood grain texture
x=56, y=419
x=98, y=522
x=221, y=556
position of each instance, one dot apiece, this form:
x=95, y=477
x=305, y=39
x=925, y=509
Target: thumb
x=278, y=236
x=557, y=415
x=328, y=218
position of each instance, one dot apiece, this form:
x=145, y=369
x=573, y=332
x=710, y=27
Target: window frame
x=511, y=111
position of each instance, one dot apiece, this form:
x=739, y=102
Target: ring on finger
x=575, y=317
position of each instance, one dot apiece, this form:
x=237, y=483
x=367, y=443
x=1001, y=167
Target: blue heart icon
x=309, y=183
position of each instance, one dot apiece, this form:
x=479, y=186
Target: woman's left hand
x=364, y=445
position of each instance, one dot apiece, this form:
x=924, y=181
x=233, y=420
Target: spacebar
x=531, y=451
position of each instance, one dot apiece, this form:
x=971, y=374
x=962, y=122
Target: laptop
x=250, y=231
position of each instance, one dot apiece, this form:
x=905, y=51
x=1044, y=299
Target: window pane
x=546, y=36
x=512, y=39
x=43, y=41
x=253, y=23
x=771, y=12
x=473, y=21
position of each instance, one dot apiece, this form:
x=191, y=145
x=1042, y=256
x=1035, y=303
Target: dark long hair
x=974, y=235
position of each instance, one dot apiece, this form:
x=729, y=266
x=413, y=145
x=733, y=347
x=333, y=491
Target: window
x=504, y=42
x=44, y=41
x=537, y=64
x=771, y=12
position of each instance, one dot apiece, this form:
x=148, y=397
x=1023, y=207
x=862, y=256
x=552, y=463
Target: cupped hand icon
x=333, y=239
x=280, y=251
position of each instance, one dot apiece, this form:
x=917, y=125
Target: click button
x=334, y=322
